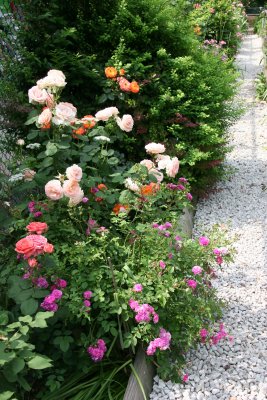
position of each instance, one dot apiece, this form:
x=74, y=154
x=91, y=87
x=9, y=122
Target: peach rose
x=74, y=173
x=77, y=198
x=162, y=161
x=53, y=190
x=48, y=248
x=37, y=95
x=172, y=167
x=148, y=163
x=28, y=175
x=125, y=123
x=65, y=113
x=157, y=174
x=45, y=117
x=125, y=85
x=32, y=262
x=37, y=227
x=155, y=148
x=71, y=188
x=50, y=101
x=104, y=115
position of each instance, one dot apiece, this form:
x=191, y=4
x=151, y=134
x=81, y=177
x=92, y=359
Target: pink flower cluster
x=34, y=208
x=144, y=312
x=162, y=342
x=92, y=226
x=97, y=352
x=87, y=296
x=220, y=252
x=49, y=303
x=216, y=338
x=203, y=241
x=163, y=228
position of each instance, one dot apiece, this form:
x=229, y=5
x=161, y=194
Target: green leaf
x=51, y=149
x=6, y=395
x=17, y=365
x=26, y=319
x=29, y=307
x=24, y=330
x=32, y=135
x=113, y=331
x=6, y=357
x=23, y=295
x=47, y=162
x=3, y=318
x=31, y=120
x=40, y=293
x=102, y=98
x=40, y=362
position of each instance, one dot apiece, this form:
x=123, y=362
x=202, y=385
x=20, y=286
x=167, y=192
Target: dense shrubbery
x=185, y=91
x=102, y=255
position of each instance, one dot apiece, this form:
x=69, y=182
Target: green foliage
x=261, y=86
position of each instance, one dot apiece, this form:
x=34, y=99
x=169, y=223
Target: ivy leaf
x=40, y=362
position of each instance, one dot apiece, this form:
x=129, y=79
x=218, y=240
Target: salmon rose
x=37, y=227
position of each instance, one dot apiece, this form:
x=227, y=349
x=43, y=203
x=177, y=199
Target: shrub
x=103, y=250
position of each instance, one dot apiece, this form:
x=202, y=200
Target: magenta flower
x=203, y=241
x=162, y=264
x=138, y=287
x=41, y=282
x=185, y=378
x=196, y=270
x=170, y=256
x=87, y=303
x=189, y=196
x=192, y=283
x=183, y=180
x=178, y=238
x=97, y=352
x=219, y=260
x=61, y=283
x=203, y=333
x=87, y=294
x=85, y=199
x=162, y=342
x=155, y=225
x=167, y=225
x=38, y=214
x=133, y=304
x=57, y=294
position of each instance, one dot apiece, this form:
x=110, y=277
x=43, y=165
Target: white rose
x=172, y=167
x=104, y=115
x=37, y=95
x=54, y=79
x=20, y=142
x=126, y=123
x=131, y=185
x=65, y=113
x=45, y=117
x=163, y=161
x=74, y=173
x=155, y=148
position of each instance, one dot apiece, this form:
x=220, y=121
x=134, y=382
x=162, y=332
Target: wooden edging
x=145, y=370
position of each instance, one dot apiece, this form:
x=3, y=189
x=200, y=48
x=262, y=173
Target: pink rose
x=65, y=113
x=172, y=167
x=196, y=270
x=45, y=117
x=50, y=100
x=37, y=95
x=126, y=123
x=124, y=84
x=104, y=115
x=155, y=148
x=53, y=190
x=74, y=173
x=71, y=188
x=37, y=227
x=48, y=248
x=148, y=163
x=77, y=198
x=28, y=175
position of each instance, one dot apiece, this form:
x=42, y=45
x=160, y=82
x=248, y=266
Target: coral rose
x=37, y=95
x=74, y=172
x=111, y=72
x=125, y=85
x=48, y=248
x=106, y=113
x=37, y=227
x=122, y=71
x=155, y=148
x=125, y=123
x=172, y=167
x=25, y=246
x=45, y=117
x=88, y=121
x=53, y=190
x=65, y=113
x=134, y=87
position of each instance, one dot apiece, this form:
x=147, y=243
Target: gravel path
x=237, y=371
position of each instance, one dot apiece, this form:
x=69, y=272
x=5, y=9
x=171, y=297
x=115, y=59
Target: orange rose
x=122, y=71
x=149, y=190
x=118, y=208
x=88, y=121
x=80, y=131
x=47, y=126
x=101, y=186
x=111, y=72
x=134, y=87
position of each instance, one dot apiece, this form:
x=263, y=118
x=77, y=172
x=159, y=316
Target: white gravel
x=237, y=371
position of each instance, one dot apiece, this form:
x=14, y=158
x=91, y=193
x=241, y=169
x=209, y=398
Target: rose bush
x=99, y=245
